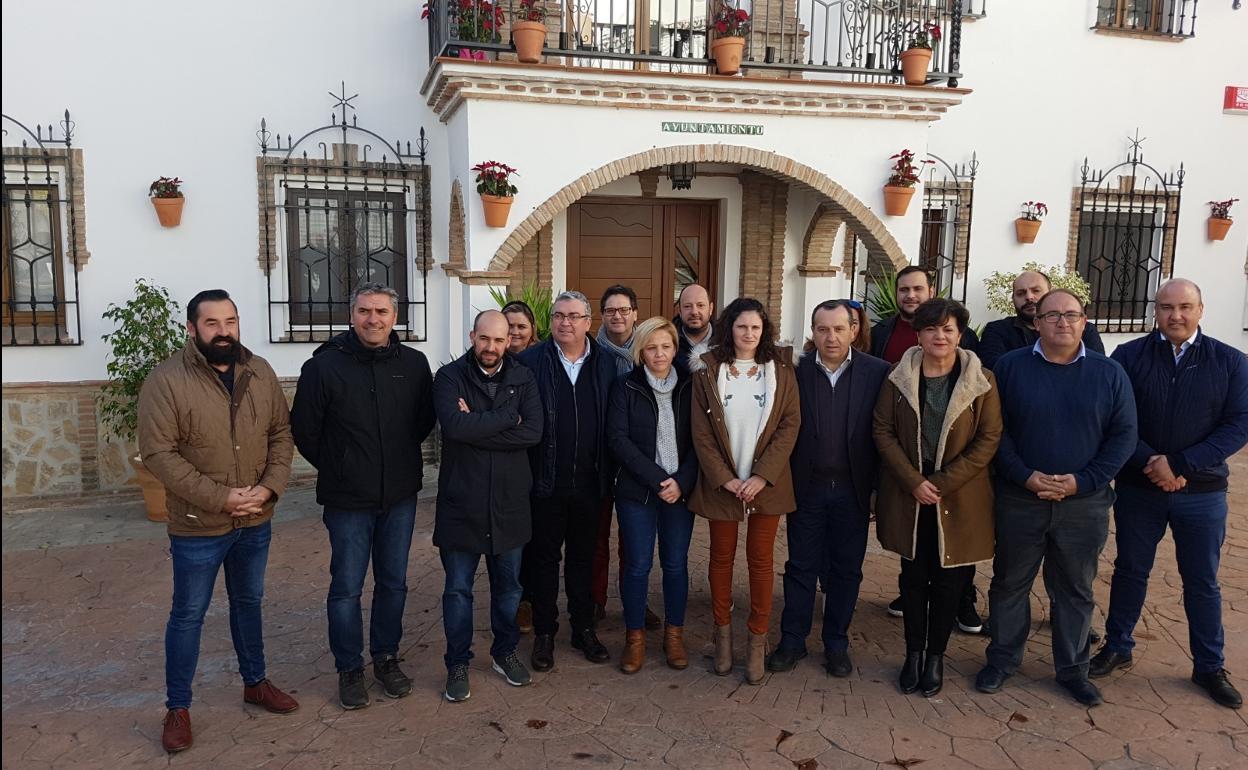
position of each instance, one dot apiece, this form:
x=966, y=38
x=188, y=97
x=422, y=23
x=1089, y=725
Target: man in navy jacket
x=1070, y=425
x=1192, y=395
x=1001, y=336
x=834, y=469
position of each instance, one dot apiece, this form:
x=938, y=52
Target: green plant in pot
x=147, y=330
x=539, y=300
x=166, y=196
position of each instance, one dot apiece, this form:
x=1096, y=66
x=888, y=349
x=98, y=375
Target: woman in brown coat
x=937, y=426
x=745, y=422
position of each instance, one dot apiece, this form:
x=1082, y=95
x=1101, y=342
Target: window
x=42, y=237
x=1171, y=18
x=945, y=240
x=1126, y=226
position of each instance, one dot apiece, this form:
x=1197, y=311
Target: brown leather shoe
x=264, y=694
x=524, y=617
x=634, y=654
x=177, y=733
x=723, y=649
x=674, y=647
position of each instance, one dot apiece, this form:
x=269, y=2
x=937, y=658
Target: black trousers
x=567, y=519
x=930, y=594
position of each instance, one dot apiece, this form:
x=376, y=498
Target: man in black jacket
x=834, y=468
x=570, y=471
x=363, y=406
x=1006, y=334
x=490, y=413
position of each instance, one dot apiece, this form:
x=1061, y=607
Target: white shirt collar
x=833, y=374
x=1083, y=352
x=1182, y=348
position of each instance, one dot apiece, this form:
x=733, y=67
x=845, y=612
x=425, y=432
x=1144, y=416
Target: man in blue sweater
x=1070, y=425
x=1192, y=395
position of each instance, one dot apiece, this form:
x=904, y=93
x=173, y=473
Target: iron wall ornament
x=40, y=222
x=334, y=219
x=1127, y=223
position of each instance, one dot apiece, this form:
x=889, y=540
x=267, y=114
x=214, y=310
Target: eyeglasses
x=569, y=317
x=1052, y=317
x=616, y=311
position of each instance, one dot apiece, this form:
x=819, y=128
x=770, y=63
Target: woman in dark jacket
x=648, y=434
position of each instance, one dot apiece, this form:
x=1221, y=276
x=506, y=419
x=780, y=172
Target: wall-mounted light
x=682, y=175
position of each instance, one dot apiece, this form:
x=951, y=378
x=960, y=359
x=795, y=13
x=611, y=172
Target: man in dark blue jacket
x=570, y=472
x=490, y=413
x=1192, y=395
x=1070, y=425
x=1002, y=336
x=362, y=408
x=834, y=469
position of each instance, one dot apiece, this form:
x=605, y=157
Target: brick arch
x=864, y=223
x=820, y=238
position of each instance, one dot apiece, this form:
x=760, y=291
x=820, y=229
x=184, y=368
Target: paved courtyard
x=86, y=595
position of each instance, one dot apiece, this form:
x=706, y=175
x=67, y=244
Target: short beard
x=217, y=356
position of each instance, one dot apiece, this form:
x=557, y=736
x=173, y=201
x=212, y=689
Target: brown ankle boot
x=756, y=658
x=634, y=654
x=723, y=649
x=674, y=647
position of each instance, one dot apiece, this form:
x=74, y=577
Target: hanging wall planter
x=916, y=60
x=1027, y=226
x=496, y=191
x=899, y=188
x=1219, y=219
x=167, y=200
x=897, y=200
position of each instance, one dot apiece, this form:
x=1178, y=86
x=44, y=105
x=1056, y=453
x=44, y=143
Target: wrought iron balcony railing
x=1164, y=18
x=855, y=40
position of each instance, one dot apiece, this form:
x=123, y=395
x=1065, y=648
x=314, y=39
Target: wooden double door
x=655, y=246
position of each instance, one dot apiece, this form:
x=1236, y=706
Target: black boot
x=909, y=679
x=933, y=675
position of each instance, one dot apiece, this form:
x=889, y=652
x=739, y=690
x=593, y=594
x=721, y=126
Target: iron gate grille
x=1127, y=220
x=41, y=232
x=333, y=219
x=945, y=240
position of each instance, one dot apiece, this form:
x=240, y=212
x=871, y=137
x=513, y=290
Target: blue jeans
x=827, y=536
x=1198, y=522
x=245, y=554
x=354, y=537
x=461, y=572
x=1067, y=537
x=640, y=524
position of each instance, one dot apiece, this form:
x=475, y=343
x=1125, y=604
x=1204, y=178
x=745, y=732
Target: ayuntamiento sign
x=736, y=129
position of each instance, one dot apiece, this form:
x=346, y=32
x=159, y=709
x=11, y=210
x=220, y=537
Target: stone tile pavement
x=86, y=594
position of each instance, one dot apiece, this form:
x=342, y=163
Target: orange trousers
x=760, y=542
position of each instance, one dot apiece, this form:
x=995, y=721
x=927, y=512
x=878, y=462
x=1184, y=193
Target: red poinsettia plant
x=1034, y=210
x=531, y=10
x=493, y=178
x=730, y=21
x=926, y=37
x=905, y=172
x=1221, y=209
x=165, y=187
x=474, y=21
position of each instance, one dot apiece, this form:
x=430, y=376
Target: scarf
x=623, y=354
x=666, y=453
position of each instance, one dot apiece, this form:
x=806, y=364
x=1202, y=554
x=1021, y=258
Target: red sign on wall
x=1235, y=100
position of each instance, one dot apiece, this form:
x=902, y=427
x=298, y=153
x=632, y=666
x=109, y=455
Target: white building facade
x=638, y=164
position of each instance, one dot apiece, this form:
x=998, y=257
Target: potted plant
x=917, y=58
x=471, y=21
x=496, y=191
x=731, y=24
x=147, y=332
x=1220, y=218
x=1026, y=226
x=900, y=186
x=528, y=30
x=167, y=199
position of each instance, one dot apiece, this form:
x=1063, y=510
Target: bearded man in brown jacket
x=215, y=429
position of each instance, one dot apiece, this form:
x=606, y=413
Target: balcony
x=1168, y=19
x=832, y=40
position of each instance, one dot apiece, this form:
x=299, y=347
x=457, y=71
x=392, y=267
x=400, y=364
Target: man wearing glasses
x=1192, y=393
x=1001, y=336
x=1070, y=425
x=575, y=375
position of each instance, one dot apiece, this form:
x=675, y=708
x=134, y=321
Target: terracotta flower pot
x=530, y=39
x=153, y=490
x=1026, y=229
x=915, y=63
x=169, y=210
x=497, y=208
x=727, y=52
x=1218, y=228
x=897, y=200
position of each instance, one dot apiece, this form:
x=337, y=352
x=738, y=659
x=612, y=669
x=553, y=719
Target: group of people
x=966, y=449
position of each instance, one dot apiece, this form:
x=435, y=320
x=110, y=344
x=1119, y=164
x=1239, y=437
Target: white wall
x=1048, y=92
